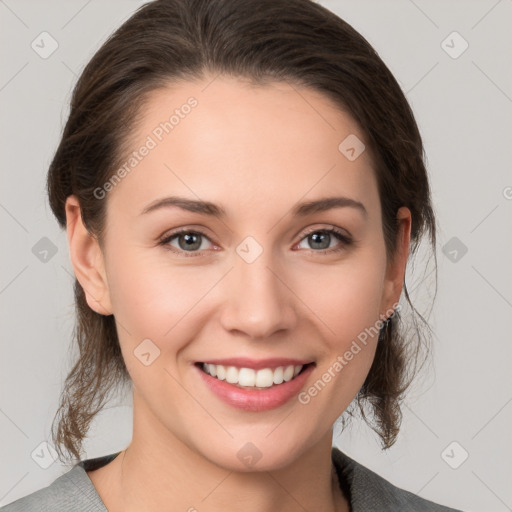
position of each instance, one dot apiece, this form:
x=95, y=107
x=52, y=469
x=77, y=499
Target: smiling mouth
x=248, y=378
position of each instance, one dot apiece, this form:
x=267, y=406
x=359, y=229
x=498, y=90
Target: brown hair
x=297, y=41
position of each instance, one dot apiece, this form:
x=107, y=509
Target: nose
x=258, y=301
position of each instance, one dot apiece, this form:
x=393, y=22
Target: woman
x=242, y=184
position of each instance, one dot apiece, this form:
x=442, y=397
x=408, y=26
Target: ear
x=395, y=272
x=87, y=259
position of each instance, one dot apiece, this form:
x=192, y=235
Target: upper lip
x=258, y=364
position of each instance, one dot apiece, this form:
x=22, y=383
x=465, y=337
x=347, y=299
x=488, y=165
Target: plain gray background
x=463, y=104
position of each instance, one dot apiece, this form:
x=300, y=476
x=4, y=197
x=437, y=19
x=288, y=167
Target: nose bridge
x=258, y=303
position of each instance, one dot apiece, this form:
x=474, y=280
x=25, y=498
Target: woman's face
x=261, y=282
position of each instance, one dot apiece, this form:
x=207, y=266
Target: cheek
x=155, y=298
x=150, y=295
x=345, y=297
x=349, y=315
x=347, y=301
x=157, y=302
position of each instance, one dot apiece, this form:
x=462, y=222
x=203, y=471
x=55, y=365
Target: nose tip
x=258, y=303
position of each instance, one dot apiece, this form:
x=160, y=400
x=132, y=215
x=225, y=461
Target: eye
x=188, y=241
x=321, y=239
x=191, y=241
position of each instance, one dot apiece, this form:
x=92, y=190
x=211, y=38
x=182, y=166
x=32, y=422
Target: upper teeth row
x=263, y=378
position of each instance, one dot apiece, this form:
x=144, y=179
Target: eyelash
x=346, y=241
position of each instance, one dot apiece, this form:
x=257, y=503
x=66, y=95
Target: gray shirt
x=368, y=492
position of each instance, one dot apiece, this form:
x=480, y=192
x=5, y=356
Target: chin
x=262, y=453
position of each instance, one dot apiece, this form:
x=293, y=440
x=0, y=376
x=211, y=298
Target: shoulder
x=370, y=492
x=72, y=491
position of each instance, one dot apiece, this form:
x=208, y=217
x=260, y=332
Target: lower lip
x=261, y=399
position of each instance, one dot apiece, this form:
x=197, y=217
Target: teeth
x=264, y=379
x=247, y=377
x=278, y=375
x=220, y=370
x=231, y=375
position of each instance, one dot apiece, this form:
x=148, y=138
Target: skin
x=257, y=152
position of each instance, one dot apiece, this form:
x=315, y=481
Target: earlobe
x=87, y=259
x=396, y=269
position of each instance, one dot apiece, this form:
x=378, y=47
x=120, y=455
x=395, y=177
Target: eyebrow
x=208, y=208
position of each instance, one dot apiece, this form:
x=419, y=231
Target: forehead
x=246, y=147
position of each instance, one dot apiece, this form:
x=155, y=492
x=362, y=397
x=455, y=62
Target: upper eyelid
x=329, y=228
